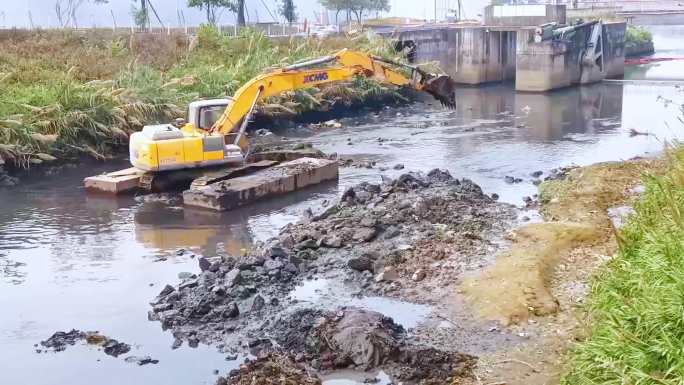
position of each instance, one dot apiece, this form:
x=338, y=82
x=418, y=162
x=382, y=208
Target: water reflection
x=206, y=232
x=586, y=110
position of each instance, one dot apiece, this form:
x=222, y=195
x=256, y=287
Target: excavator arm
x=343, y=65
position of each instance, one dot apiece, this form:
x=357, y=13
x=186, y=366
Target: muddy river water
x=70, y=260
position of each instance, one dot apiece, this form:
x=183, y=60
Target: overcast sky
x=15, y=13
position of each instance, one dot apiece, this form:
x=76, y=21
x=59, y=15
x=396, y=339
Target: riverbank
x=634, y=308
x=67, y=94
x=537, y=287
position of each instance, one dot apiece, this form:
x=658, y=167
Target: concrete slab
x=117, y=182
x=277, y=180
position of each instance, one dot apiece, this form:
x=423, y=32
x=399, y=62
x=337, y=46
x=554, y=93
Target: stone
x=204, y=263
x=360, y=264
x=365, y=234
x=368, y=222
x=230, y=311
x=388, y=273
x=273, y=264
x=349, y=195
x=188, y=284
x=276, y=252
x=398, y=166
x=141, y=360
x=183, y=275
x=391, y=232
x=495, y=196
x=232, y=278
x=307, y=244
x=258, y=303
x=536, y=174
x=291, y=268
x=162, y=307
x=115, y=348
x=219, y=290
x=418, y=275
x=332, y=241
x=168, y=289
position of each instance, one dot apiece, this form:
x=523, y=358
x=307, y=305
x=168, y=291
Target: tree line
x=143, y=10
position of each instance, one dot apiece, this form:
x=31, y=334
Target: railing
x=272, y=30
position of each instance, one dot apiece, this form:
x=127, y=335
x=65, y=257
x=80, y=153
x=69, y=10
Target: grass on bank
x=636, y=305
x=67, y=93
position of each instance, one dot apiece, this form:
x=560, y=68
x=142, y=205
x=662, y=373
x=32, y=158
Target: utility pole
x=435, y=11
x=111, y=11
x=143, y=8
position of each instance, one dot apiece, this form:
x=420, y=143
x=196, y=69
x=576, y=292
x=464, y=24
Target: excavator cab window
x=209, y=115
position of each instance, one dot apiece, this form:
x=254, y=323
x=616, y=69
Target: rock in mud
x=387, y=274
x=362, y=339
x=361, y=264
x=141, y=360
x=418, y=223
x=418, y=275
x=60, y=340
x=115, y=348
x=271, y=369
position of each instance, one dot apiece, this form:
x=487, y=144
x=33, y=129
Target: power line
x=268, y=10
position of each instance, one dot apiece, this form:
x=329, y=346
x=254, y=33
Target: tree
x=66, y=11
x=288, y=10
x=241, y=12
x=141, y=16
x=337, y=6
x=212, y=6
x=357, y=7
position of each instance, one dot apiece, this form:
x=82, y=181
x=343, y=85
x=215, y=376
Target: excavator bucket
x=442, y=88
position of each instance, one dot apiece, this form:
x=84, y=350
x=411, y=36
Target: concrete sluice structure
x=504, y=49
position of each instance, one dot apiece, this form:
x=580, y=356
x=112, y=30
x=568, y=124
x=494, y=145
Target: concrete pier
x=280, y=179
x=504, y=49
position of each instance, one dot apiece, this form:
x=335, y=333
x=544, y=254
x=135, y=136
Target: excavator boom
x=342, y=66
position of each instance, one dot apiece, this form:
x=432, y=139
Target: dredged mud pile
x=382, y=237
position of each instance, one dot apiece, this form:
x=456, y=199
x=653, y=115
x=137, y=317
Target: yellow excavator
x=215, y=130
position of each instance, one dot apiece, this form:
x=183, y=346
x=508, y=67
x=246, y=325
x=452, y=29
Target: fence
x=271, y=30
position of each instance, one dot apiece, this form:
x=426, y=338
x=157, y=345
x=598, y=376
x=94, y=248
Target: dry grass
x=67, y=93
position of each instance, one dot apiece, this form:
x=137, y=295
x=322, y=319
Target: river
x=73, y=260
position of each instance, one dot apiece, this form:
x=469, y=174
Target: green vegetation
x=67, y=93
x=637, y=36
x=638, y=41
x=637, y=302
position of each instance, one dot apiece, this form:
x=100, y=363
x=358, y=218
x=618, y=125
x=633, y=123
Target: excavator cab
x=203, y=114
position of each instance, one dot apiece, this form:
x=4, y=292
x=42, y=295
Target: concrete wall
x=614, y=49
x=470, y=55
x=523, y=15
x=545, y=66
x=481, y=54
x=555, y=64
